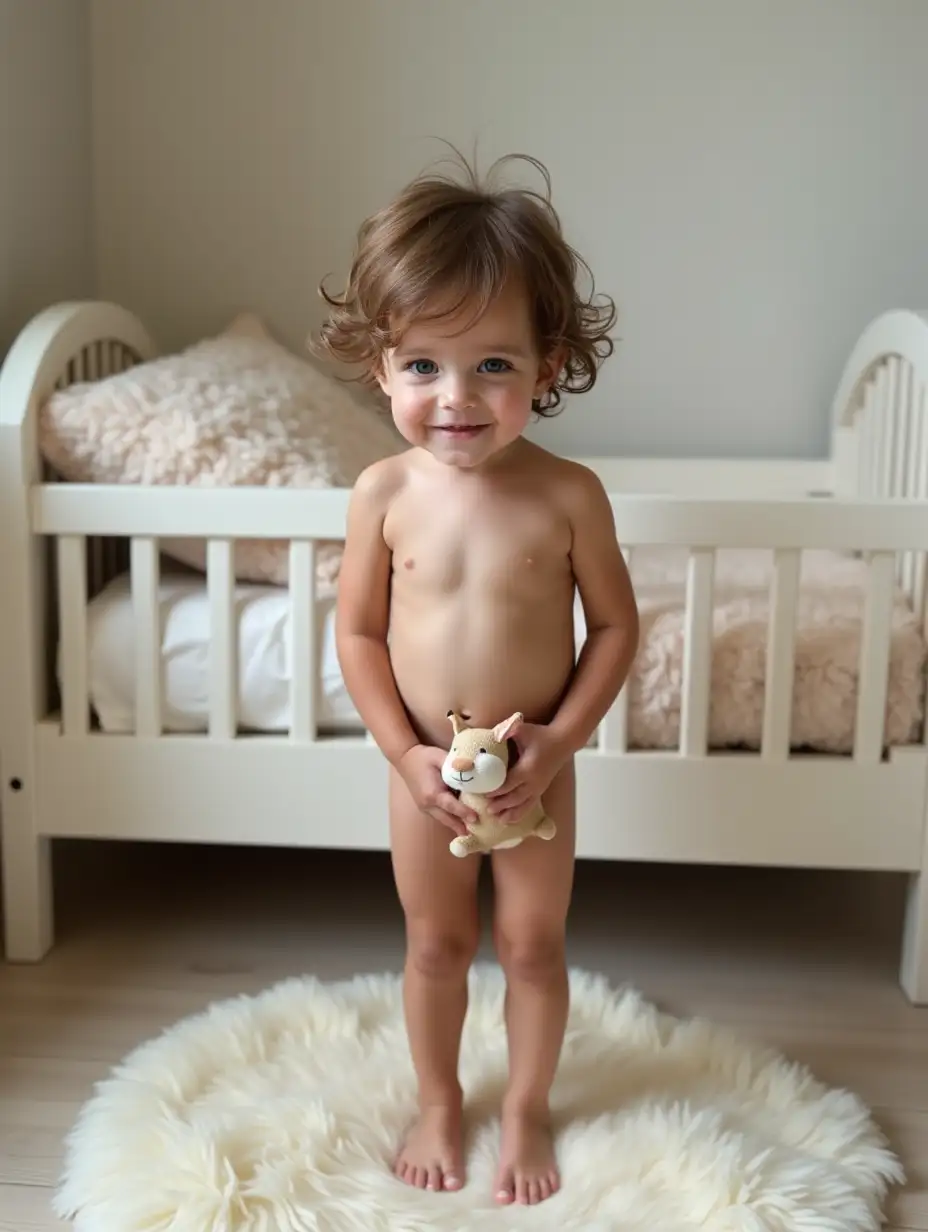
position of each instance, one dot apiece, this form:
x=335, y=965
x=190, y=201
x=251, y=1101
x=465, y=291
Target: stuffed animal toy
x=477, y=763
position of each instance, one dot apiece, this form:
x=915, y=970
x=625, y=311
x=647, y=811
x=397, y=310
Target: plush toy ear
x=507, y=729
x=457, y=723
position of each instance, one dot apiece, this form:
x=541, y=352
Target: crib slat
x=223, y=640
x=919, y=593
x=697, y=654
x=866, y=442
x=889, y=387
x=303, y=632
x=781, y=642
x=874, y=659
x=904, y=428
x=143, y=564
x=72, y=613
x=613, y=731
x=911, y=462
x=901, y=446
x=872, y=460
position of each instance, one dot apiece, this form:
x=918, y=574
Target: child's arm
x=361, y=627
x=611, y=614
x=610, y=611
x=363, y=616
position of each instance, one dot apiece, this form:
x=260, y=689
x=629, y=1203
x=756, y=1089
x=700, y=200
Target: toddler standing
x=462, y=303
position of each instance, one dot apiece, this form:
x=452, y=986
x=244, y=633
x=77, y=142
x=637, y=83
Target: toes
x=528, y=1190
x=452, y=1180
x=433, y=1177
x=523, y=1191
x=505, y=1188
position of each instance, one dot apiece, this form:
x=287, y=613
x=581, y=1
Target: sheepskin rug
x=282, y=1113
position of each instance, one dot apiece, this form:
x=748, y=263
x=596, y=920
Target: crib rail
x=287, y=513
x=70, y=515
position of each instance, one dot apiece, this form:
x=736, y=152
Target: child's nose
x=462, y=763
x=456, y=394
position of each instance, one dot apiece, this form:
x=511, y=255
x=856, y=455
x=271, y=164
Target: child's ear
x=381, y=373
x=507, y=729
x=549, y=370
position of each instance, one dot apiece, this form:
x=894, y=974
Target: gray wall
x=748, y=179
x=46, y=172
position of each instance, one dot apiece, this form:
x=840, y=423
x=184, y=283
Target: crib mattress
x=828, y=632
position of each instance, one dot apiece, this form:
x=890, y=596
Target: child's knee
x=532, y=955
x=442, y=953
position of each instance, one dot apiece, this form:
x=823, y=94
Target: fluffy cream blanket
x=829, y=628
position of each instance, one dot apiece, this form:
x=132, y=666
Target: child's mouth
x=462, y=431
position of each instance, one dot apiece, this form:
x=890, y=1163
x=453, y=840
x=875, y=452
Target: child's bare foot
x=528, y=1171
x=432, y=1155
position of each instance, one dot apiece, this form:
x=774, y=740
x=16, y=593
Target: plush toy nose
x=462, y=763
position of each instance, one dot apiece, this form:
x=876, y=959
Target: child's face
x=466, y=393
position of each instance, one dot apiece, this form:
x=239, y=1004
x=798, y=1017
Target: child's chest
x=502, y=547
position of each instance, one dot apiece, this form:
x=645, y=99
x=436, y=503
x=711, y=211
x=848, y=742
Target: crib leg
x=27, y=885
x=913, y=973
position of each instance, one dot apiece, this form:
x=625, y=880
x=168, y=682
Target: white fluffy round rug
x=282, y=1113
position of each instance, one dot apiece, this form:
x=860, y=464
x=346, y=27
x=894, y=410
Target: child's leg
x=533, y=888
x=438, y=893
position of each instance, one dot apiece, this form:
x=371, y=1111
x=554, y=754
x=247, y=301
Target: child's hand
x=420, y=768
x=541, y=756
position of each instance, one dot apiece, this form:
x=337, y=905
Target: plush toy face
x=479, y=757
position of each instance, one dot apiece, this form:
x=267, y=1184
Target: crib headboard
x=66, y=344
x=880, y=418
x=880, y=412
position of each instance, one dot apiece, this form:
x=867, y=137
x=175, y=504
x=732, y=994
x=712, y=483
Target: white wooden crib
x=61, y=774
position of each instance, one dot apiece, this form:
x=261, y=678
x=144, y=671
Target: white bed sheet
x=828, y=631
x=264, y=649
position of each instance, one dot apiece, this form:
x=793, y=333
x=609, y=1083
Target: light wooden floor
x=147, y=934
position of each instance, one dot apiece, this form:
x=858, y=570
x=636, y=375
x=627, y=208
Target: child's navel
x=409, y=563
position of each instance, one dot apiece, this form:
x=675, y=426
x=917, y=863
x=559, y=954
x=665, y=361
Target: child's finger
x=515, y=810
x=451, y=804
x=512, y=798
x=512, y=784
x=449, y=820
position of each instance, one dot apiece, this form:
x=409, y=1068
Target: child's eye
x=422, y=367
x=495, y=366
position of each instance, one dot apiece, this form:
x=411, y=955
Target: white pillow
x=235, y=410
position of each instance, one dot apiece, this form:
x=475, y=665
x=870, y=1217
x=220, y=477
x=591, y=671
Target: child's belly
x=483, y=661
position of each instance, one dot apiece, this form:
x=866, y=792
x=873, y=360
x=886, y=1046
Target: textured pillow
x=235, y=410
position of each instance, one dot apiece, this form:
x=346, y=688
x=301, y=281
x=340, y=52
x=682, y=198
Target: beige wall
x=45, y=158
x=747, y=179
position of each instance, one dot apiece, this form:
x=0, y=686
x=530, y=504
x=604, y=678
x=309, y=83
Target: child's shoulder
x=383, y=480
x=566, y=476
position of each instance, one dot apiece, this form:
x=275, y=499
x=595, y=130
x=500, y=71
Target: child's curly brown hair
x=442, y=244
